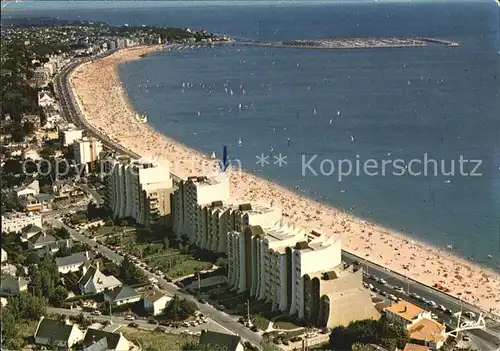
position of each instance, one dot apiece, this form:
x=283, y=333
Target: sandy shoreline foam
x=104, y=102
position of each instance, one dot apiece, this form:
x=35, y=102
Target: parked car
x=382, y=281
x=96, y=313
x=133, y=325
x=129, y=318
x=393, y=297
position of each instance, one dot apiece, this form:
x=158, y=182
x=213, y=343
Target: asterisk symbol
x=280, y=160
x=262, y=160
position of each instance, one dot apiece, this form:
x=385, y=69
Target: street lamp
x=248, y=310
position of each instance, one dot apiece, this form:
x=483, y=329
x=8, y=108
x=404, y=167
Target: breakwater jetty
x=354, y=43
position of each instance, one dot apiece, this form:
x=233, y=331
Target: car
x=382, y=281
x=393, y=297
x=372, y=277
x=365, y=285
x=96, y=313
x=413, y=295
x=434, y=316
x=431, y=303
x=371, y=287
x=465, y=337
x=193, y=323
x=185, y=324
x=470, y=314
x=129, y=318
x=133, y=325
x=448, y=311
x=441, y=308
x=384, y=293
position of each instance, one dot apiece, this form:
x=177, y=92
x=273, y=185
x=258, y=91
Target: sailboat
x=240, y=142
x=338, y=113
x=199, y=113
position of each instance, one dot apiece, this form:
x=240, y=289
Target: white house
x=72, y=263
x=13, y=285
x=16, y=221
x=94, y=282
x=155, y=302
x=29, y=231
x=31, y=189
x=3, y=256
x=61, y=333
x=97, y=340
x=44, y=99
x=122, y=295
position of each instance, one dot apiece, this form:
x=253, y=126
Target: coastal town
x=112, y=241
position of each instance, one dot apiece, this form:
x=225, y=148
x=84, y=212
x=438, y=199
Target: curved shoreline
x=105, y=105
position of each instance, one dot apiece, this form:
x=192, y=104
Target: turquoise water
x=393, y=103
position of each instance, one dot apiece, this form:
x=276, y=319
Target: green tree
x=179, y=309
x=71, y=280
x=60, y=295
x=28, y=128
x=33, y=258
x=62, y=233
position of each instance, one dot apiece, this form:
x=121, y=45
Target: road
x=70, y=110
x=491, y=335
x=221, y=318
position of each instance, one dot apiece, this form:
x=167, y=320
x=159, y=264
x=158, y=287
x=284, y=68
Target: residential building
x=139, y=189
x=3, y=301
x=100, y=340
x=87, y=150
x=220, y=341
x=29, y=231
x=54, y=247
x=94, y=281
x=405, y=313
x=122, y=295
x=72, y=263
x=69, y=133
x=44, y=99
x=63, y=334
x=337, y=297
x=416, y=347
x=16, y=221
x=38, y=203
x=40, y=240
x=13, y=285
x=64, y=188
x=155, y=302
x=421, y=327
x=31, y=189
x=216, y=219
x=3, y=256
x=428, y=332
x=191, y=193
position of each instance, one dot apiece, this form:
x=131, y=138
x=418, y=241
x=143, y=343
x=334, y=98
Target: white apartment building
x=191, y=193
x=15, y=221
x=320, y=254
x=87, y=150
x=69, y=133
x=218, y=218
x=138, y=189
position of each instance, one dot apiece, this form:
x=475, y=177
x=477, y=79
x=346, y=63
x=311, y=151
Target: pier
x=441, y=41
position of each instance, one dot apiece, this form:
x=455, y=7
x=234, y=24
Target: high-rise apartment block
x=87, y=150
x=140, y=190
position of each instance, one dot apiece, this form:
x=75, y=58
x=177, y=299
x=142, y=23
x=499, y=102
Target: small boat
x=338, y=112
x=288, y=141
x=213, y=155
x=449, y=246
x=231, y=92
x=352, y=139
x=447, y=181
x=331, y=120
x=199, y=113
x=240, y=142
x=315, y=112
x=141, y=118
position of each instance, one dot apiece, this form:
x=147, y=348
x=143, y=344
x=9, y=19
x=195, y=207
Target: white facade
x=156, y=307
x=87, y=150
x=31, y=155
x=215, y=220
x=69, y=136
x=3, y=256
x=319, y=255
x=191, y=193
x=122, y=301
x=133, y=188
x=14, y=221
x=99, y=283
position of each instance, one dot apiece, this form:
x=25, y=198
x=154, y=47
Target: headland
x=98, y=90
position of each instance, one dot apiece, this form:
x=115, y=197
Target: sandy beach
x=99, y=92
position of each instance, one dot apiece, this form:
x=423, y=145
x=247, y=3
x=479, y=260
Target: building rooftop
x=220, y=341
x=53, y=329
x=405, y=310
x=76, y=258
x=93, y=336
x=121, y=293
x=202, y=181
x=427, y=329
x=415, y=347
x=154, y=295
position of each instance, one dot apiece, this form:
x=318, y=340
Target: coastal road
x=230, y=323
x=72, y=113
x=490, y=335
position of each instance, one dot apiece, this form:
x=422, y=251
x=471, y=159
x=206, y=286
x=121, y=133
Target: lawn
x=157, y=340
x=261, y=322
x=285, y=325
x=176, y=264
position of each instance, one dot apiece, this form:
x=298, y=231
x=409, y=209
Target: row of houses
x=65, y=334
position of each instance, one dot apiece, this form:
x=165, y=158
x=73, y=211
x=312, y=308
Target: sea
x=303, y=117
